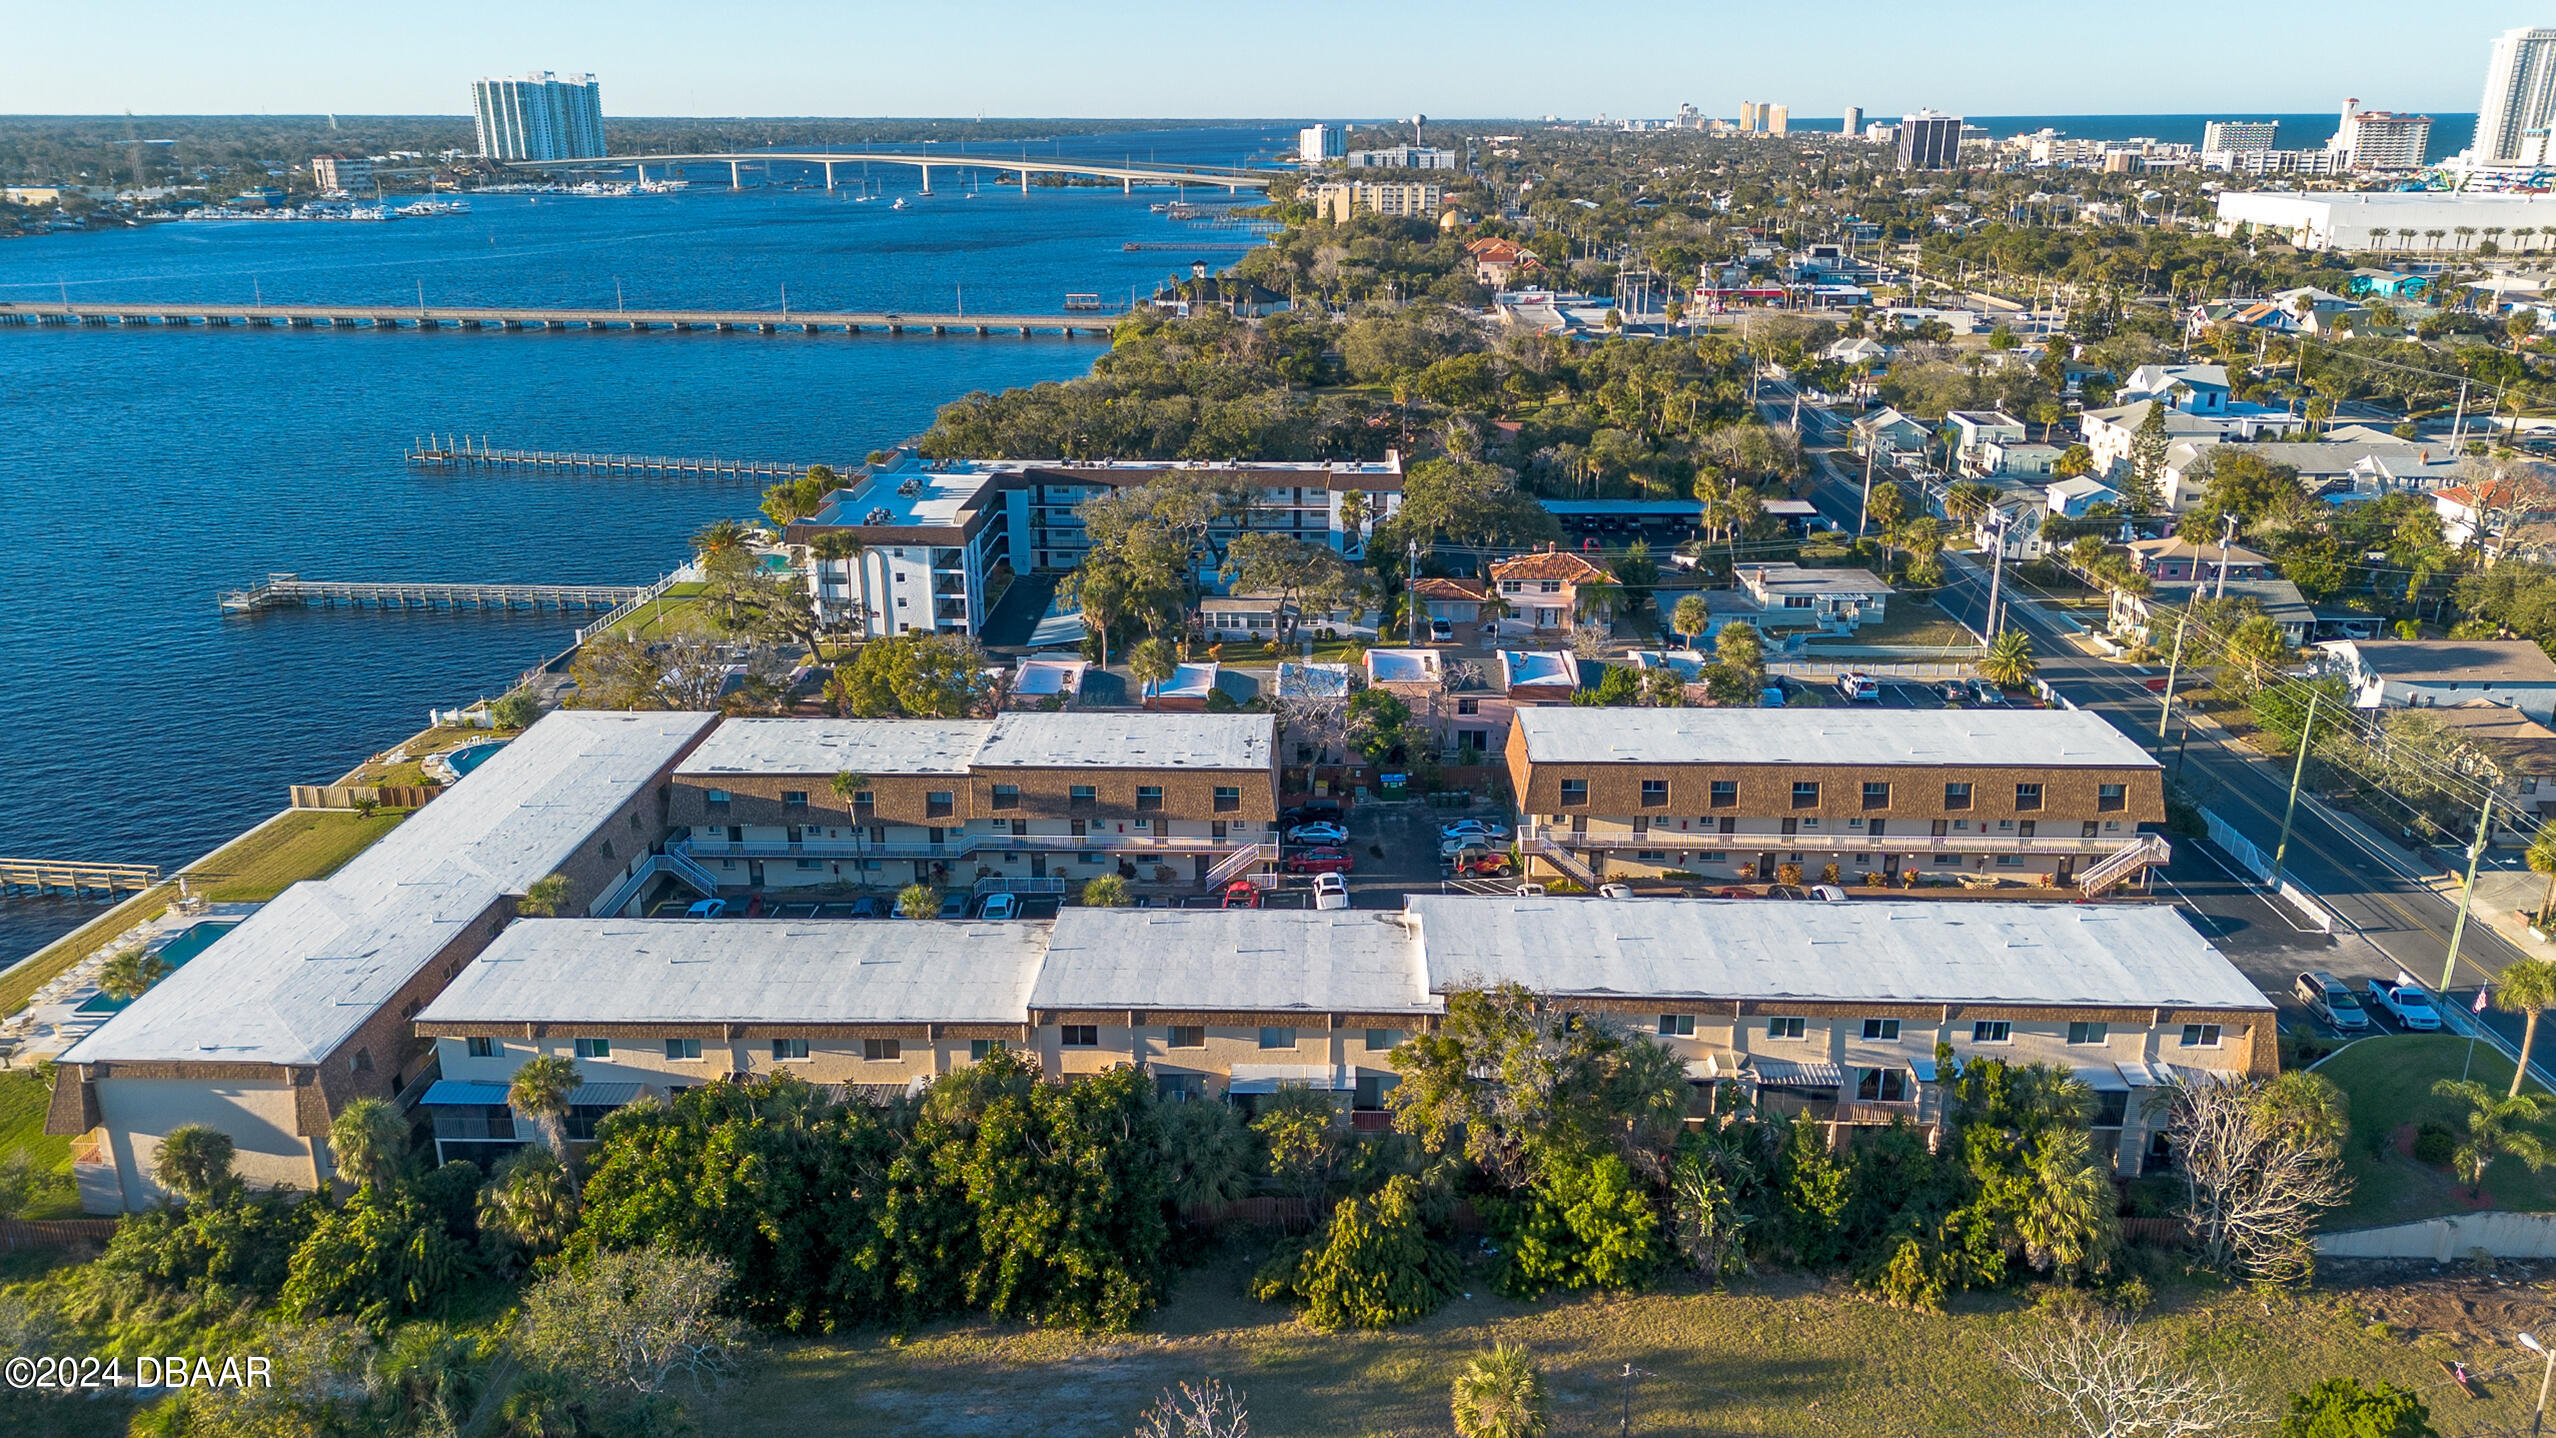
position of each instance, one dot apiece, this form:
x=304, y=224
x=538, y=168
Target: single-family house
x=1454, y=698
x=1498, y=263
x=2023, y=459
x=2323, y=465
x=2438, y=673
x=1200, y=292
x=2520, y=751
x=2405, y=470
x=1833, y=601
x=2191, y=388
x=1891, y=434
x=2149, y=618
x=1543, y=588
x=1539, y=676
x=2387, y=284
x=2073, y=496
x=1862, y=349
x=1456, y=600
x=2012, y=522
x=1973, y=429
x=1298, y=679
x=2176, y=558
x=2490, y=510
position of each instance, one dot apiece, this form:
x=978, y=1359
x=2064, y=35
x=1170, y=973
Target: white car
x=2407, y=1004
x=1615, y=891
x=1329, y=835
x=1828, y=893
x=1000, y=906
x=1487, y=828
x=1330, y=891
x=1529, y=891
x=1858, y=687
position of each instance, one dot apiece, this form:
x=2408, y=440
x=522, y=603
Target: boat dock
x=460, y=454
x=135, y=314
x=46, y=876
x=291, y=591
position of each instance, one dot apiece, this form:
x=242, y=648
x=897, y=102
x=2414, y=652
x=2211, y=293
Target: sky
x=1295, y=58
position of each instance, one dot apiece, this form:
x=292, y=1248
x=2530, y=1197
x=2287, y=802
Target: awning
x=604, y=1095
x=1924, y=1069
x=1785, y=1073
x=458, y=1091
x=2139, y=1075
x=1269, y=1078
x=2107, y=1078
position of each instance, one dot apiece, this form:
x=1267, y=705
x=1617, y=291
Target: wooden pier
x=45, y=876
x=291, y=591
x=384, y=319
x=460, y=455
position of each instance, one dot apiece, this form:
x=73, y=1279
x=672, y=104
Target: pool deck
x=52, y=1022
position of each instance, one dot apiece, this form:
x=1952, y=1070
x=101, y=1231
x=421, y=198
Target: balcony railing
x=1825, y=841
x=958, y=845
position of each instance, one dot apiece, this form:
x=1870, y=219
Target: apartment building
x=304, y=1006
x=936, y=534
x=1832, y=1012
x=341, y=174
x=1025, y=802
x=2043, y=797
x=1412, y=201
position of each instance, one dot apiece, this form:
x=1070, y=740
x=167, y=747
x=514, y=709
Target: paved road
x=2375, y=885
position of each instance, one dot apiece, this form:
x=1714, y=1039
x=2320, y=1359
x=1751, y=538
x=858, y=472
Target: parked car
x=1487, y=828
x=707, y=909
x=1330, y=836
x=1615, y=891
x=1828, y=893
x=2407, y=1004
x=1330, y=892
x=2328, y=998
x=1320, y=861
x=1989, y=694
x=1483, y=866
x=1859, y=687
x=1771, y=697
x=1462, y=844
x=1953, y=691
x=869, y=906
x=953, y=906
x=1441, y=632
x=1316, y=813
x=1243, y=894
x=1529, y=891
x=1738, y=894
x=1000, y=906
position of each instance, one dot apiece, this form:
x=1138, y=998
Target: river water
x=142, y=472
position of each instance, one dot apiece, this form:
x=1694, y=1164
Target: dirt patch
x=2461, y=1307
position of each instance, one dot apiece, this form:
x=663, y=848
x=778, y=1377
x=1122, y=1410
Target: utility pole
x=2467, y=896
x=1410, y=588
x=2298, y=771
x=1996, y=569
x=2227, y=536
x=1872, y=445
x=2458, y=426
x=2173, y=667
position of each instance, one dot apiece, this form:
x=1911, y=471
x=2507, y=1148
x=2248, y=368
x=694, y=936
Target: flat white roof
x=295, y=979
x=748, y=971
x=1129, y=740
x=837, y=746
x=1319, y=961
x=940, y=498
x=2013, y=738
x=1539, y=666
x=1913, y=952
x=1186, y=681
x=1402, y=666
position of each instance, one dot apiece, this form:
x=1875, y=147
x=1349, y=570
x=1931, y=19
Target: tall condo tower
x=539, y=117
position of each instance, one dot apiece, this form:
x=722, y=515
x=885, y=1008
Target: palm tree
x=370, y=1143
x=543, y=897
x=2542, y=860
x=718, y=537
x=1600, y=599
x=540, y=1092
x=1691, y=617
x=194, y=1161
x=2526, y=987
x=2523, y=234
x=839, y=546
x=131, y=974
x=2009, y=662
x=1500, y=1394
x=2435, y=237
x=2494, y=1128
x=1153, y=661
x=1106, y=891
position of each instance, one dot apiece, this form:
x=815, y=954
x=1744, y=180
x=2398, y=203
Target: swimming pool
x=471, y=756
x=190, y=941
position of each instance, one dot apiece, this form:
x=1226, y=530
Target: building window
x=1876, y=795
x=937, y=805
x=1575, y=792
x=1991, y=1031
x=789, y=1048
x=2027, y=797
x=1881, y=1085
x=1079, y=1036
x=1007, y=796
x=1725, y=793
x=1881, y=1028
x=1228, y=799
x=1277, y=1038
x=1186, y=1036
x=1081, y=796
x=2081, y=1033
x=594, y=1048
x=1956, y=796
x=2010, y=861
x=977, y=1049
x=1655, y=793
x=483, y=1048
x=1383, y=1040
x=794, y=798
x=2111, y=798
x=683, y=1048
x=1805, y=793
x=1786, y=1028
x=2200, y=1036
x=880, y=1051
x=1468, y=706
x=714, y=796
x=1677, y=1026
x=1149, y=798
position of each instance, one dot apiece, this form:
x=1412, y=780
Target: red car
x=1242, y=894
x=1486, y=866
x=1320, y=861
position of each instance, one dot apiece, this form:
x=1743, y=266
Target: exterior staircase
x=678, y=865
x=2124, y=863
x=1243, y=860
x=1533, y=843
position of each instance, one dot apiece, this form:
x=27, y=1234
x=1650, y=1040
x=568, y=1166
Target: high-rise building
x=1930, y=141
x=2520, y=96
x=1749, y=117
x=1853, y=124
x=539, y=117
x=1775, y=119
x=2238, y=137
x=1317, y=143
x=341, y=173
x=2381, y=139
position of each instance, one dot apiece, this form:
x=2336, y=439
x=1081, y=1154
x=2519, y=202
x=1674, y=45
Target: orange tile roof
x=1547, y=564
x=1450, y=588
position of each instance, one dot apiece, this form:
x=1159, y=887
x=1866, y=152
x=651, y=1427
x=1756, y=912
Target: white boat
x=898, y=205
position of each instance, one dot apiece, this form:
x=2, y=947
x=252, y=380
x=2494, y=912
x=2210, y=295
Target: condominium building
x=539, y=117
x=1028, y=801
x=1403, y=157
x=1930, y=141
x=2047, y=797
x=1852, y=126
x=2234, y=137
x=1415, y=201
x=2513, y=118
x=2381, y=139
x=1836, y=1013
x=935, y=534
x=1316, y=144
x=341, y=174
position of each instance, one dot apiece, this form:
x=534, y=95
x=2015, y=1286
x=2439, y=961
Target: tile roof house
x=1455, y=600
x=1543, y=588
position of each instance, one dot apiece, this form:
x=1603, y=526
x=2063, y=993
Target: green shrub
x=380, y=1258
x=1374, y=1265
x=1579, y=1226
x=2435, y=1144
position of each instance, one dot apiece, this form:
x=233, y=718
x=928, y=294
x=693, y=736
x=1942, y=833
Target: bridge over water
x=143, y=314
x=1129, y=174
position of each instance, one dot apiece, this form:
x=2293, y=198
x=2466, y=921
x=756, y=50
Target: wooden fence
x=17, y=1233
x=349, y=796
x=2157, y=1232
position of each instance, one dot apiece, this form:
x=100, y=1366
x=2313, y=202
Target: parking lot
x=1805, y=683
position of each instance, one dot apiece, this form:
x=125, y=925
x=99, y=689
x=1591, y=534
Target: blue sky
x=1290, y=57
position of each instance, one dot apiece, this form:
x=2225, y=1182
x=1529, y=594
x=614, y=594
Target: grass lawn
x=417, y=747
x=1780, y=1355
x=303, y=844
x=23, y=1099
x=2389, y=1081
x=22, y=980
x=680, y=611
x=1916, y=623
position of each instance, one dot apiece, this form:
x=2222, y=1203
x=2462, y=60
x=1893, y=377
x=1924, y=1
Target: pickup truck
x=2408, y=1004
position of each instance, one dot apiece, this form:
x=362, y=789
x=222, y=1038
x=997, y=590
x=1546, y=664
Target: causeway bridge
x=291, y=591
x=139, y=314
x=1129, y=174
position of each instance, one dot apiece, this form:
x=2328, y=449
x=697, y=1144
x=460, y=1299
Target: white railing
x=678, y=865
x=956, y=846
x=1561, y=858
x=620, y=611
x=1248, y=857
x=2151, y=849
x=1845, y=841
